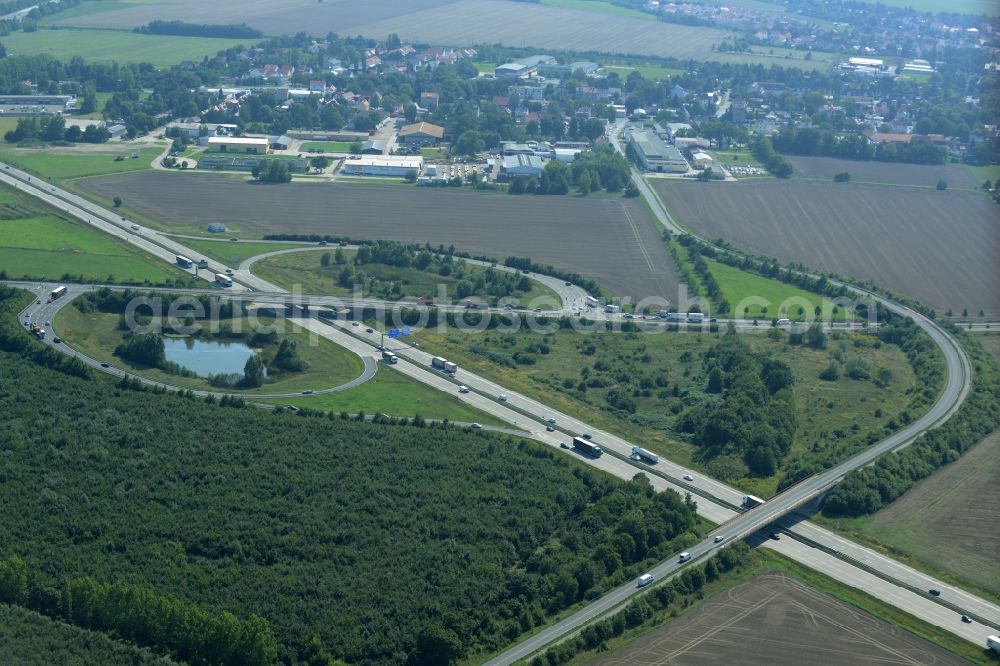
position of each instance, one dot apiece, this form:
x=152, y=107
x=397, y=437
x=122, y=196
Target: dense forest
x=368, y=542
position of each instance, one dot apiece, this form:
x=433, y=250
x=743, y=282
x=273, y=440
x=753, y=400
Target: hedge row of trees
x=676, y=594
x=272, y=171
x=763, y=150
x=810, y=141
x=755, y=416
x=229, y=31
x=53, y=128
x=139, y=615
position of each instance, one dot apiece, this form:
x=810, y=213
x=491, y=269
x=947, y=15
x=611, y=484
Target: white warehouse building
x=655, y=155
x=383, y=165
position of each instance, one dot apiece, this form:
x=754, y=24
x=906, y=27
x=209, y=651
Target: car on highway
x=934, y=592
x=564, y=445
x=235, y=240
x=966, y=619
x=463, y=388
x=477, y=426
x=502, y=397
x=369, y=330
x=549, y=428
x=307, y=392
x=229, y=271
x=586, y=435
x=719, y=539
x=684, y=557
x=508, y=307
x=551, y=420
x=688, y=477
x=354, y=323
x=776, y=536
x=56, y=340
x=48, y=323
x=104, y=365
x=644, y=580
x=38, y=302
x=135, y=227
x=568, y=283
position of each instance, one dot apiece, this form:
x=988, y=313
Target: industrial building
x=421, y=133
x=239, y=144
x=655, y=155
x=384, y=165
x=522, y=165
x=524, y=67
x=373, y=147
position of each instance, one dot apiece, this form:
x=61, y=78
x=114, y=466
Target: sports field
x=941, y=248
x=609, y=239
x=775, y=620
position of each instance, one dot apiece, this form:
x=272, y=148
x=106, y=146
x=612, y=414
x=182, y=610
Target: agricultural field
x=610, y=240
x=36, y=243
x=393, y=393
x=30, y=639
x=639, y=384
x=116, y=45
x=938, y=247
x=457, y=22
x=304, y=271
x=97, y=335
x=943, y=520
x=870, y=171
x=774, y=620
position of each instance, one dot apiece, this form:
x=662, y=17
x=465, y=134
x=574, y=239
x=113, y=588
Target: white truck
x=750, y=501
x=993, y=643
x=612, y=309
x=685, y=556
x=592, y=302
x=639, y=453
x=223, y=280
x=695, y=317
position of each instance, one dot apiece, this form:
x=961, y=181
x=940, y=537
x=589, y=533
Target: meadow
x=61, y=164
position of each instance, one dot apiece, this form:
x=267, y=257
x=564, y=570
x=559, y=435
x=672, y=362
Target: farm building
x=279, y=142
x=383, y=165
x=654, y=155
x=522, y=165
x=117, y=130
x=373, y=147
x=421, y=133
x=239, y=144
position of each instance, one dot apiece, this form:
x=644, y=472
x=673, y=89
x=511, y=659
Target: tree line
x=811, y=141
x=764, y=152
x=228, y=31
x=139, y=615
x=53, y=128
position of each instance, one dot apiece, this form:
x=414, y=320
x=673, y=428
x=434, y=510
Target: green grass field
x=433, y=153
x=650, y=70
x=116, y=45
x=737, y=157
x=35, y=243
x=60, y=164
x=990, y=173
x=325, y=146
x=393, y=393
x=303, y=270
x=329, y=364
x=599, y=6
x=742, y=289
x=670, y=365
x=225, y=250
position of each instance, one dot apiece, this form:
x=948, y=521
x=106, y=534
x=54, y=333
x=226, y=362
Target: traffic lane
x=901, y=572
x=917, y=605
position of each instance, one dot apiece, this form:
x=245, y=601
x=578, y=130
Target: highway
x=716, y=499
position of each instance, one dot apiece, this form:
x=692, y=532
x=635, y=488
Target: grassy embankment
x=224, y=250
x=37, y=243
x=302, y=270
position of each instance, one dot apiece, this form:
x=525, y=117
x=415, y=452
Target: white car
x=719, y=538
x=688, y=477
x=502, y=397
x=463, y=389
x=477, y=426
x=644, y=580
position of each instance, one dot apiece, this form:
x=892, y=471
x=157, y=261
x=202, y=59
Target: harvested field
x=611, y=240
x=455, y=22
x=942, y=248
x=774, y=620
x=945, y=520
x=927, y=175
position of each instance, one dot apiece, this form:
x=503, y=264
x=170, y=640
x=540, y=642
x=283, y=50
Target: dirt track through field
x=609, y=239
x=942, y=248
x=774, y=620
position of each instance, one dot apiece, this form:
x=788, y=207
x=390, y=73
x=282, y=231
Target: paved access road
x=525, y=412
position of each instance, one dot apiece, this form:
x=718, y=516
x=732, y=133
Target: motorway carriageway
x=530, y=415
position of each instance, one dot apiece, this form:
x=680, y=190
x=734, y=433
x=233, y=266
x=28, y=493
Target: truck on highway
x=685, y=556
x=675, y=316
x=223, y=280
x=993, y=643
x=750, y=501
x=389, y=357
x=450, y=368
x=639, y=453
x=183, y=261
x=58, y=292
x=612, y=309
x=587, y=448
x=644, y=580
x=695, y=317
x=592, y=302
x=38, y=331
x=203, y=263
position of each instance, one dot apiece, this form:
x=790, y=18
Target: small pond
x=208, y=357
